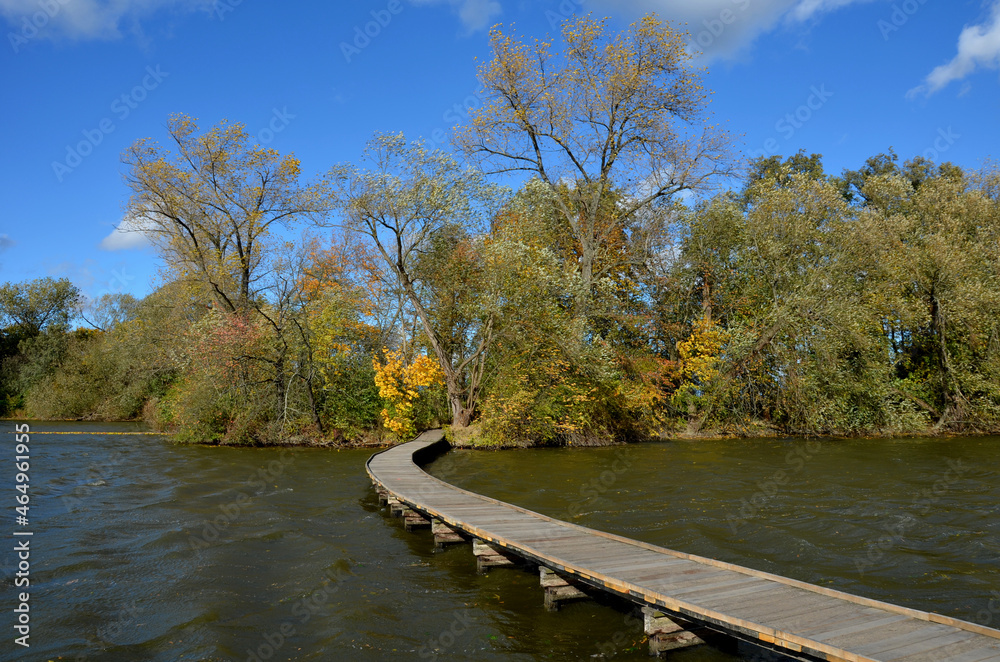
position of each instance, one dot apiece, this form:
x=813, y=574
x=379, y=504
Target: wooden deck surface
x=800, y=618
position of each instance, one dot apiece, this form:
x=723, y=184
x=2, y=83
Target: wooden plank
x=787, y=613
x=783, y=605
x=888, y=638
x=970, y=651
x=718, y=599
x=836, y=614
x=930, y=645
x=859, y=625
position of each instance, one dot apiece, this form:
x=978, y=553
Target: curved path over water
x=797, y=618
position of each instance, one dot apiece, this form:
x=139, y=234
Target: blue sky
x=84, y=79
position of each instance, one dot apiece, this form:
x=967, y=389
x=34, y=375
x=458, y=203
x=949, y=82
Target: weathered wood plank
x=786, y=613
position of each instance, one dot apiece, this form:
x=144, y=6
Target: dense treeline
x=590, y=304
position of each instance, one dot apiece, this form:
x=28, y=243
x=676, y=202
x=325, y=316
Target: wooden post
x=557, y=589
x=444, y=534
x=664, y=633
x=396, y=506
x=488, y=556
x=383, y=495
x=413, y=520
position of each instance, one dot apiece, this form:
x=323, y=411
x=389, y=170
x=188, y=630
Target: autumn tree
x=612, y=124
x=347, y=319
x=110, y=310
x=403, y=199
x=210, y=207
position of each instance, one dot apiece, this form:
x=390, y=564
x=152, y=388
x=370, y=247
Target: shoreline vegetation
x=593, y=263
x=469, y=438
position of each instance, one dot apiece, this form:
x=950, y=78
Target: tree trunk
x=317, y=421
x=461, y=416
x=586, y=279
x=279, y=384
x=953, y=397
x=461, y=412
x=706, y=297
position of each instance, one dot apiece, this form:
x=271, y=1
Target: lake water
x=147, y=550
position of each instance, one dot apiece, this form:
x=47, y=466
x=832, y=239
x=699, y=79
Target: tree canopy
x=616, y=293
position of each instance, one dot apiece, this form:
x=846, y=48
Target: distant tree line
x=615, y=294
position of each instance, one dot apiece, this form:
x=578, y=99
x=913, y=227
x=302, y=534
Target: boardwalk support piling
x=488, y=556
x=664, y=633
x=414, y=520
x=557, y=589
x=396, y=507
x=701, y=596
x=444, y=534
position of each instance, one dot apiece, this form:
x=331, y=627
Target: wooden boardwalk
x=800, y=619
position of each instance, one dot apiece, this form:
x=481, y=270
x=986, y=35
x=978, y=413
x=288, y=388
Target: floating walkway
x=683, y=596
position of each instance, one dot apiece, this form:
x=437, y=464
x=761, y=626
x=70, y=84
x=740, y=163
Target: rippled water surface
x=914, y=521
x=146, y=550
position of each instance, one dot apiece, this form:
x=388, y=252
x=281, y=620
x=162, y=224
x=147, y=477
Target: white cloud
x=978, y=46
x=87, y=19
x=129, y=235
x=722, y=28
x=474, y=14
x=807, y=9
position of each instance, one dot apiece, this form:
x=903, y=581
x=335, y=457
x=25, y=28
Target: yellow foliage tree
x=700, y=356
x=399, y=385
x=612, y=124
x=210, y=208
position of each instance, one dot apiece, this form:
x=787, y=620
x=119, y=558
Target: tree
x=402, y=205
x=773, y=167
x=941, y=258
x=32, y=306
x=210, y=208
x=110, y=310
x=612, y=125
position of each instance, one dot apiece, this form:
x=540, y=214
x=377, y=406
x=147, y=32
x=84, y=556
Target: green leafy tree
x=405, y=200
